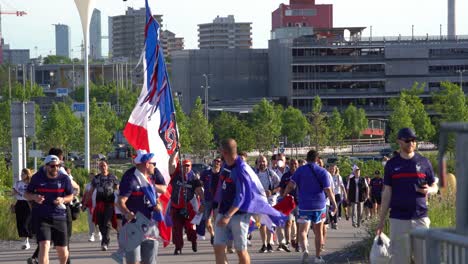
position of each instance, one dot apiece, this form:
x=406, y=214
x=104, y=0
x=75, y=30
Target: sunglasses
x=217, y=160
x=408, y=140
x=54, y=166
x=153, y=163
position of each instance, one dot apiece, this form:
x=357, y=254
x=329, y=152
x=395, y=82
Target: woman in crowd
x=23, y=209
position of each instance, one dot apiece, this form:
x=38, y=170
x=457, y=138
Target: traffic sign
x=17, y=119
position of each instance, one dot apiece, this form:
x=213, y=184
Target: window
x=301, y=12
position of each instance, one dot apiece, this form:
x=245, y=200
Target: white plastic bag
x=380, y=253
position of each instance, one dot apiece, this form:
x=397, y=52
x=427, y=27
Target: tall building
x=171, y=43
x=302, y=13
x=62, y=40
x=225, y=33
x=126, y=34
x=95, y=36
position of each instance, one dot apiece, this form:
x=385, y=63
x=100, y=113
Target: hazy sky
x=387, y=18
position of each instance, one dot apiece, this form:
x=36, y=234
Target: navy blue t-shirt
x=230, y=189
x=376, y=185
x=137, y=201
x=210, y=183
x=50, y=188
x=403, y=176
x=285, y=179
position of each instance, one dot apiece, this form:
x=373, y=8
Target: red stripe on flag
x=47, y=190
x=409, y=175
x=136, y=136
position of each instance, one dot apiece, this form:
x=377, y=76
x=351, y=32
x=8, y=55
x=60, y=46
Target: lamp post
x=461, y=78
x=51, y=81
x=207, y=86
x=85, y=9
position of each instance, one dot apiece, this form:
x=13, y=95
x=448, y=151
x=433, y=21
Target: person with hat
x=133, y=198
x=358, y=192
x=410, y=177
x=50, y=190
x=376, y=187
x=187, y=189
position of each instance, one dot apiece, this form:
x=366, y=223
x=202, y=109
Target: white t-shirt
x=332, y=186
x=338, y=182
x=20, y=188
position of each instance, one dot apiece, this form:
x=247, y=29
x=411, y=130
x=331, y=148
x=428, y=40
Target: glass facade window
x=301, y=12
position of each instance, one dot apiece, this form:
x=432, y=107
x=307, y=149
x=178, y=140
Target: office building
x=171, y=43
x=95, y=36
x=62, y=40
x=225, y=33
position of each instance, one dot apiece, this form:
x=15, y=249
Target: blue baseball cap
x=406, y=133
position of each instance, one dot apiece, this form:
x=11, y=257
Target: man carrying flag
x=241, y=194
x=138, y=193
x=152, y=125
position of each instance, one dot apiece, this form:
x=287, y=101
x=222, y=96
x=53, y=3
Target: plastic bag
x=380, y=253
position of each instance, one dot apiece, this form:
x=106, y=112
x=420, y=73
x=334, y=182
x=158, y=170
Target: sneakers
x=194, y=247
x=319, y=260
x=199, y=237
x=269, y=248
x=104, y=247
x=100, y=236
x=91, y=238
x=305, y=257
x=283, y=247
x=178, y=251
x=263, y=249
x=25, y=246
x=32, y=261
x=230, y=250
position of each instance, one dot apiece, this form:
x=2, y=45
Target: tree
x=399, y=119
x=227, y=125
x=265, y=122
x=103, y=123
x=318, y=128
x=54, y=59
x=5, y=125
x=294, y=126
x=183, y=125
x=200, y=130
x=450, y=104
x=61, y=129
x=354, y=121
x=336, y=128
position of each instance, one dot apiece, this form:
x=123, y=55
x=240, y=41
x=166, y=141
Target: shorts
x=376, y=199
x=316, y=216
x=210, y=207
x=368, y=203
x=237, y=229
x=146, y=252
x=54, y=230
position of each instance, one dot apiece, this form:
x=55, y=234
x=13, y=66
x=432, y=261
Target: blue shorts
x=237, y=229
x=315, y=216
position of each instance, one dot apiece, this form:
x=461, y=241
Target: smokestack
x=451, y=29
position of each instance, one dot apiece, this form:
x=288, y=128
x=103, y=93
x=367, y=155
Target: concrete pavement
x=83, y=251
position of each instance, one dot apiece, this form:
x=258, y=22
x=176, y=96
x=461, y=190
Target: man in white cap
x=358, y=192
x=50, y=190
x=133, y=198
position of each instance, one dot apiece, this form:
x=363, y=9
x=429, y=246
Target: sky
x=387, y=18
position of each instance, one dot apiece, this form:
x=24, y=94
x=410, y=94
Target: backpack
x=105, y=189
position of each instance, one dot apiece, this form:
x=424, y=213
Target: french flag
x=152, y=124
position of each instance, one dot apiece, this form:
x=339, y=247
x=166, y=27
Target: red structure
x=302, y=13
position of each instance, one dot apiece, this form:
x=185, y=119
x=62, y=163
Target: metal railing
x=439, y=246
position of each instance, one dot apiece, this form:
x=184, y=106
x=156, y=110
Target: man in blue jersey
x=410, y=177
x=50, y=191
x=312, y=182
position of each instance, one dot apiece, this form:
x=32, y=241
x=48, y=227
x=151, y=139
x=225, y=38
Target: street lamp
x=85, y=9
x=207, y=86
x=461, y=78
x=51, y=74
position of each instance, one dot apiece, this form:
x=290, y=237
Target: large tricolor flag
x=152, y=124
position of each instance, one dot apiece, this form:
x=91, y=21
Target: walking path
x=84, y=252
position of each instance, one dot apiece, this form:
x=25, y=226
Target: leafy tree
x=54, y=59
x=450, y=104
x=354, y=121
x=295, y=125
x=61, y=129
x=399, y=119
x=5, y=125
x=265, y=122
x=318, y=126
x=200, y=130
x=19, y=92
x=183, y=125
x=337, y=129
x=227, y=125
x=103, y=123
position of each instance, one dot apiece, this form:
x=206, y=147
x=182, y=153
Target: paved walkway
x=84, y=252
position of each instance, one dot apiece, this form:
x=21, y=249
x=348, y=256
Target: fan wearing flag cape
x=239, y=195
x=139, y=190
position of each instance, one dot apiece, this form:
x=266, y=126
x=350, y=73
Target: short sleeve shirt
x=311, y=180
x=403, y=176
x=110, y=181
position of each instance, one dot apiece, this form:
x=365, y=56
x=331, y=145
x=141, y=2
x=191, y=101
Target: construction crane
x=17, y=13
